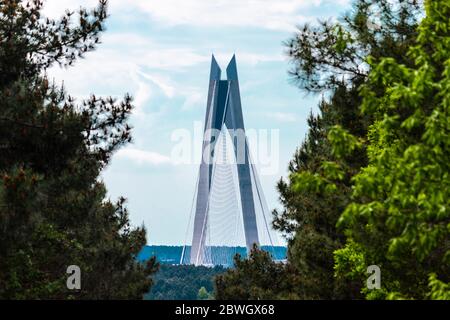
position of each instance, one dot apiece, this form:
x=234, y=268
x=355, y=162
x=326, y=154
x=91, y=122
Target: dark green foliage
x=310, y=214
x=203, y=294
x=183, y=282
x=172, y=254
x=330, y=58
x=53, y=208
x=398, y=218
x=256, y=278
x=331, y=52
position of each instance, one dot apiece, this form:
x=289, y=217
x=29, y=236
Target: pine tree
x=203, y=294
x=53, y=207
x=331, y=58
x=398, y=218
x=256, y=278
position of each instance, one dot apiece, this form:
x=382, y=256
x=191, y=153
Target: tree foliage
x=333, y=58
x=183, y=282
x=53, y=207
x=256, y=278
x=331, y=52
x=203, y=294
x=399, y=217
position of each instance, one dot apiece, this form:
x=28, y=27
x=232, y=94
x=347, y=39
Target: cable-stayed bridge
x=229, y=210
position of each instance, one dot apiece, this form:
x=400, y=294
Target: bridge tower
x=224, y=126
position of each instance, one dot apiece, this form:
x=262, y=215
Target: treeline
x=370, y=184
x=174, y=254
x=54, y=212
x=184, y=282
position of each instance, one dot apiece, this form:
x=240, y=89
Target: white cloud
x=141, y=96
x=143, y=157
x=194, y=98
x=116, y=67
x=247, y=58
x=267, y=14
x=192, y=95
x=162, y=82
x=282, y=116
x=142, y=50
x=55, y=8
x=276, y=15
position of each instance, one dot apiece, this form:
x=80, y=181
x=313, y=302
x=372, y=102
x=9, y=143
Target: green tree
x=331, y=58
x=203, y=294
x=399, y=217
x=53, y=207
x=183, y=282
x=256, y=278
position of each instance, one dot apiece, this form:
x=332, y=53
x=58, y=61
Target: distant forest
x=183, y=282
x=188, y=282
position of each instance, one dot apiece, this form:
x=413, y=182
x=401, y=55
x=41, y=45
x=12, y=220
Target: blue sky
x=159, y=51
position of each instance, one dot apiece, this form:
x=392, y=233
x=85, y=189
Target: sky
x=160, y=51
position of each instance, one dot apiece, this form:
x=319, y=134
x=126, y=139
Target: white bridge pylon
x=229, y=207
